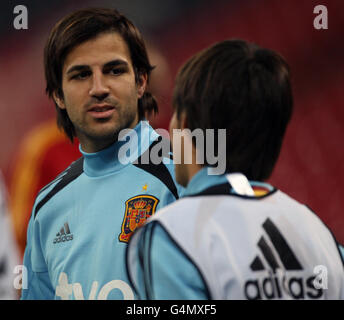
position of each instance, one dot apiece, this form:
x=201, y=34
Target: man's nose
x=99, y=88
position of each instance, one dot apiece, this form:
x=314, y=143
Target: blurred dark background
x=311, y=165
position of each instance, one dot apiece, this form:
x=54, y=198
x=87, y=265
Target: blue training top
x=82, y=221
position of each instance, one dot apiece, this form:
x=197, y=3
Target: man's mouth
x=101, y=111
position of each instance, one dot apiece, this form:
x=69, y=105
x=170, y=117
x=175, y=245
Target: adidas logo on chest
x=64, y=234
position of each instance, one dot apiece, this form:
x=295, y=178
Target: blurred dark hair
x=81, y=26
x=245, y=89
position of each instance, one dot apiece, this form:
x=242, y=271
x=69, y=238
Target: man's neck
x=96, y=146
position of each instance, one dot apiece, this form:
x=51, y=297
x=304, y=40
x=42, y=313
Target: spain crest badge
x=137, y=210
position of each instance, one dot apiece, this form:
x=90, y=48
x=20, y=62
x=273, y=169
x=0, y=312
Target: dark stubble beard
x=126, y=119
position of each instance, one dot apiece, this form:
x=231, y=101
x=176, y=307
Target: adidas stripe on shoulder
x=66, y=177
x=160, y=170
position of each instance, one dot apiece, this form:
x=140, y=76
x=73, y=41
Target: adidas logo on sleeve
x=64, y=234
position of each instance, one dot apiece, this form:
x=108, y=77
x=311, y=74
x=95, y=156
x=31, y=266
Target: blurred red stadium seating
x=311, y=165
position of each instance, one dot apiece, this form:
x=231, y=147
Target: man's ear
x=142, y=84
x=59, y=101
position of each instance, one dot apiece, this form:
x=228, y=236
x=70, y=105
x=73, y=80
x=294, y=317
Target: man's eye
x=81, y=75
x=117, y=71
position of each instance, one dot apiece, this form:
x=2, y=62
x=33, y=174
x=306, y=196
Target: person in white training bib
x=233, y=236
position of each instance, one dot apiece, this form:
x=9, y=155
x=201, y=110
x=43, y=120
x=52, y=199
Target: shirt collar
x=121, y=153
x=203, y=180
